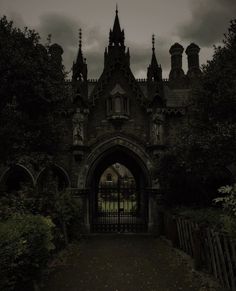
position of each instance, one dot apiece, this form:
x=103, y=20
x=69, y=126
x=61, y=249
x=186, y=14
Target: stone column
x=156, y=208
x=83, y=197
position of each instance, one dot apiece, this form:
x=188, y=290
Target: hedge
x=25, y=246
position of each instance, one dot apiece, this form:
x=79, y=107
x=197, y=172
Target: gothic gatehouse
x=116, y=128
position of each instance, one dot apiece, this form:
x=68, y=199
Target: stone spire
x=79, y=69
x=117, y=35
x=116, y=51
x=154, y=70
x=154, y=59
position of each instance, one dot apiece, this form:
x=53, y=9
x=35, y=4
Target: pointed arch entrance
x=118, y=203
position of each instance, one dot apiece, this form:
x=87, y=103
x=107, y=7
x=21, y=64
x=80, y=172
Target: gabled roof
x=106, y=78
x=117, y=89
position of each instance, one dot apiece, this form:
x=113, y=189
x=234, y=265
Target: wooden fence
x=212, y=251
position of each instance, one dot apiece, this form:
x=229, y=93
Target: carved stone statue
x=157, y=128
x=78, y=135
x=156, y=134
x=78, y=130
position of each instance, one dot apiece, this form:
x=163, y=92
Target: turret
x=192, y=52
x=56, y=52
x=176, y=52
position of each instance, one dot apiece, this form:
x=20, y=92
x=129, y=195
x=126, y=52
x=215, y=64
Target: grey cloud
x=17, y=19
x=210, y=19
x=63, y=29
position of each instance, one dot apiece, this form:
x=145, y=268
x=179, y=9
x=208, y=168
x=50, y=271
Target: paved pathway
x=124, y=263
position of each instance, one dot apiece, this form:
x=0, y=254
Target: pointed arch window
x=117, y=106
x=109, y=177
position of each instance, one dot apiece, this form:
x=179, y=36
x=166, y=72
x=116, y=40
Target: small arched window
x=109, y=177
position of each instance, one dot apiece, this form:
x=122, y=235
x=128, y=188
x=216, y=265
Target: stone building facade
x=118, y=119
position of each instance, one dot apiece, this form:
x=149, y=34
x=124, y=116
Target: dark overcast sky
x=185, y=21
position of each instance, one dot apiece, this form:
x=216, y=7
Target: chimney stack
x=176, y=52
x=192, y=52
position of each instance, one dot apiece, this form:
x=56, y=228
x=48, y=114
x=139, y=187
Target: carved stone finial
x=80, y=38
x=153, y=42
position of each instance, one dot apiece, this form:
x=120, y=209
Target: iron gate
x=118, y=209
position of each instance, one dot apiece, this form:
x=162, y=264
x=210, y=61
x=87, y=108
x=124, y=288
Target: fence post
x=197, y=248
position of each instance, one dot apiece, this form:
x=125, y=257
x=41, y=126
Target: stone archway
x=136, y=162
x=15, y=178
x=55, y=174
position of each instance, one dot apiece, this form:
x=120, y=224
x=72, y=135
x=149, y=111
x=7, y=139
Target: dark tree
x=31, y=88
x=206, y=145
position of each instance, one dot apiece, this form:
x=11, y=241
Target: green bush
x=63, y=209
x=25, y=246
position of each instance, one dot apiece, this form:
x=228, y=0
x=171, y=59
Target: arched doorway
x=118, y=180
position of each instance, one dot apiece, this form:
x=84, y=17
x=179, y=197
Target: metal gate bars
x=118, y=209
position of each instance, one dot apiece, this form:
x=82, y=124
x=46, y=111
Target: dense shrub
x=64, y=210
x=25, y=245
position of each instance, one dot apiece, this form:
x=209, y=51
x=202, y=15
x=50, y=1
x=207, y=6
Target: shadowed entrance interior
x=118, y=202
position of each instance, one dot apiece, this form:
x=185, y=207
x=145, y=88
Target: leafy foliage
x=63, y=209
x=22, y=212
x=25, y=246
x=32, y=85
x=228, y=201
x=32, y=95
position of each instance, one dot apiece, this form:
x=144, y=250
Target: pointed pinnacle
x=116, y=8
